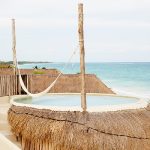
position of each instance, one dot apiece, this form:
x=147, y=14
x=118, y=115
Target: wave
x=126, y=93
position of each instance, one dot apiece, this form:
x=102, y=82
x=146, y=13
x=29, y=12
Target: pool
x=72, y=102
x=54, y=120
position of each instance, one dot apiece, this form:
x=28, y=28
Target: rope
x=51, y=85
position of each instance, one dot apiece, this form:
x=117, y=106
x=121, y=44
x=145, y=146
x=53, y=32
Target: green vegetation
x=38, y=72
x=43, y=67
x=36, y=67
x=3, y=65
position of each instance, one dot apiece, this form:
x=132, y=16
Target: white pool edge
x=6, y=144
x=105, y=108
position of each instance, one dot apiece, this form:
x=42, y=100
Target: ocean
x=131, y=79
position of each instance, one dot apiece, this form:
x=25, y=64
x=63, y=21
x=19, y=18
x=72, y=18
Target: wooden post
x=14, y=56
x=14, y=45
x=82, y=61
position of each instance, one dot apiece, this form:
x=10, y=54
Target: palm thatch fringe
x=42, y=129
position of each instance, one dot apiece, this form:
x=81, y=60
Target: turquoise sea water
x=124, y=78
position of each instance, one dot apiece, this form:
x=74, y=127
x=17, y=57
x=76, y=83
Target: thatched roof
x=120, y=130
x=67, y=83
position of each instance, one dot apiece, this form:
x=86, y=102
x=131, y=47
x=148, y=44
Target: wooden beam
x=14, y=45
x=82, y=55
x=15, y=89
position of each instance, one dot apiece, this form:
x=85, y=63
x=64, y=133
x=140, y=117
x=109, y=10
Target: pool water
x=75, y=100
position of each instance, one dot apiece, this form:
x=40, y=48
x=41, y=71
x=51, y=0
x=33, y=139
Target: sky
x=47, y=30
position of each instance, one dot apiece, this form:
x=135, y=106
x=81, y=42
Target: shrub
x=5, y=66
x=35, y=67
x=38, y=72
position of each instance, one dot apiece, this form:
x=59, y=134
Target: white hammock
x=38, y=94
x=50, y=86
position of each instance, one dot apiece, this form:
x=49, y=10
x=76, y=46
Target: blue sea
x=123, y=78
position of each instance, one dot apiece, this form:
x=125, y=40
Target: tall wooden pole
x=82, y=53
x=14, y=45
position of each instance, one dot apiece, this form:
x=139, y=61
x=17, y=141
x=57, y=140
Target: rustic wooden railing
x=9, y=85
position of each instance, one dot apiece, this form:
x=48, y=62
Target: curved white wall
x=6, y=144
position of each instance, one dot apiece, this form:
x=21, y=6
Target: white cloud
x=120, y=27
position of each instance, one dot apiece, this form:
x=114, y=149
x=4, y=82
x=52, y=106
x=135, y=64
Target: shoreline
x=134, y=94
